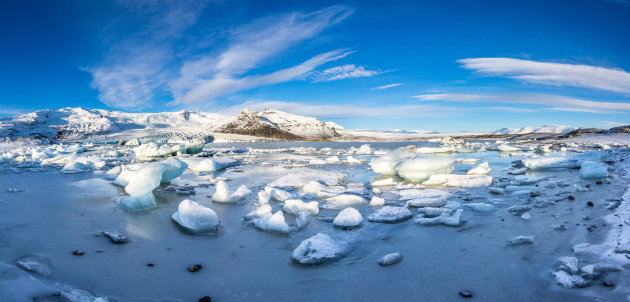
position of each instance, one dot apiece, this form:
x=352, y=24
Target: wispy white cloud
x=135, y=69
x=344, y=72
x=614, y=124
x=558, y=74
x=141, y=69
x=348, y=111
x=554, y=102
x=251, y=45
x=387, y=86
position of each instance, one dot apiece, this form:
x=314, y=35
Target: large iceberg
x=387, y=163
x=140, y=180
x=196, y=218
x=593, y=170
x=421, y=167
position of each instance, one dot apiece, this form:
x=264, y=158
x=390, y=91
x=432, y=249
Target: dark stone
x=465, y=294
x=571, y=197
x=78, y=253
x=205, y=299
x=150, y=264
x=589, y=204
x=599, y=182
x=194, y=268
x=608, y=284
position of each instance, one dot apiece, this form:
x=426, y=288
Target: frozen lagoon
x=57, y=213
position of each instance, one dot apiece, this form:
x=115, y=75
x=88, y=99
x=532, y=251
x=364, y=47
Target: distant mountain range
x=106, y=125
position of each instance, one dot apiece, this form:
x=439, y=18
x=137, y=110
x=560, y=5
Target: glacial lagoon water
x=55, y=214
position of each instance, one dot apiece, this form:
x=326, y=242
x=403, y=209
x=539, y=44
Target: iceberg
x=462, y=181
x=348, y=217
x=543, y=163
x=481, y=169
x=272, y=223
x=387, y=163
x=215, y=164
x=389, y=214
x=295, y=206
x=347, y=200
x=277, y=194
x=196, y=218
x=318, y=249
x=421, y=167
x=593, y=170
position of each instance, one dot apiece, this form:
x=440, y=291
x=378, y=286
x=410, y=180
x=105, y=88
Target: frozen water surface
x=53, y=214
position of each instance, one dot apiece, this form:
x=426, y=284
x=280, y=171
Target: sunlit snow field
x=53, y=214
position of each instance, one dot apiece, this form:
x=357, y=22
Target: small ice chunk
x=115, y=237
x=526, y=216
x=333, y=160
x=549, y=162
x=313, y=187
x=347, y=200
x=456, y=180
x=434, y=212
x=260, y=211
x=294, y=206
x=518, y=209
x=348, y=217
x=525, y=180
x=272, y=223
x=277, y=194
x=421, y=167
x=195, y=217
x=446, y=218
x=318, y=249
x=520, y=240
x=519, y=171
x=222, y=193
x=481, y=169
x=390, y=259
x=241, y=193
x=570, y=281
x=508, y=148
x=377, y=201
x=317, y=162
x=424, y=198
x=389, y=214
x=353, y=161
x=214, y=164
x=35, y=264
x=263, y=197
x=593, y=170
x=384, y=182
x=569, y=264
x=480, y=207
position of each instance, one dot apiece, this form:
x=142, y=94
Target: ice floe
x=195, y=217
x=390, y=214
x=348, y=217
x=319, y=249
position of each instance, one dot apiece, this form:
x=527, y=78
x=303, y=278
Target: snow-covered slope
x=79, y=123
x=535, y=129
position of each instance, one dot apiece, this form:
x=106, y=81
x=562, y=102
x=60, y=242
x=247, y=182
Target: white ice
x=196, y=218
x=320, y=248
x=481, y=169
x=421, y=167
x=389, y=214
x=294, y=206
x=348, y=217
x=593, y=170
x=347, y=200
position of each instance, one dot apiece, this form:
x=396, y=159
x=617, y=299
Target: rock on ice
x=348, y=217
x=318, y=249
x=196, y=218
x=421, y=167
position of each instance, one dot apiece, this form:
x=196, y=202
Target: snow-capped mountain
x=536, y=129
x=79, y=123
x=278, y=124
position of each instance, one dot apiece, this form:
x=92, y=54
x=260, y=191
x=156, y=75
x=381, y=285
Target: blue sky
x=434, y=65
